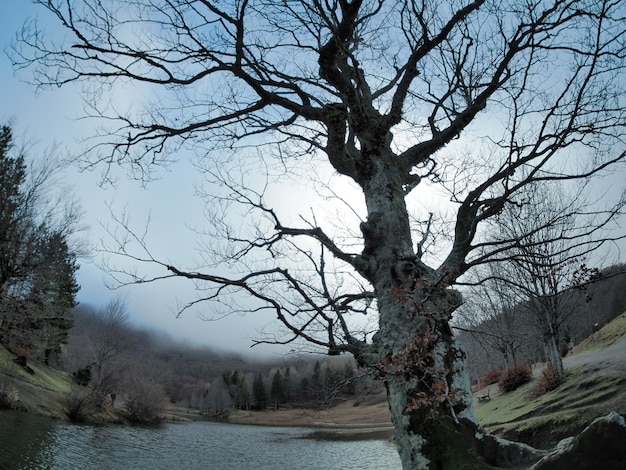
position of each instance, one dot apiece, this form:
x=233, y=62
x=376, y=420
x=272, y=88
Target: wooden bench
x=484, y=397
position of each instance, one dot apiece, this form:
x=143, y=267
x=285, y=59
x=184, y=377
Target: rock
x=601, y=445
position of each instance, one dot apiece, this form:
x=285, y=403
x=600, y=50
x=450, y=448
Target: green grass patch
x=580, y=389
x=506, y=407
x=43, y=392
x=44, y=376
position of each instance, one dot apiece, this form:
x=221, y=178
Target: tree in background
x=544, y=277
x=403, y=100
x=289, y=385
x=108, y=337
x=259, y=393
x=492, y=316
x=278, y=394
x=37, y=265
x=237, y=389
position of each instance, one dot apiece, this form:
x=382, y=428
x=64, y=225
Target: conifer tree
x=37, y=265
x=259, y=392
x=277, y=392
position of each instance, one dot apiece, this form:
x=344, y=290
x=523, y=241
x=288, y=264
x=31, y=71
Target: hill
x=43, y=391
x=595, y=385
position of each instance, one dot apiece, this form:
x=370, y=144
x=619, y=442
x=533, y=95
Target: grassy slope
x=42, y=392
x=607, y=336
x=588, y=392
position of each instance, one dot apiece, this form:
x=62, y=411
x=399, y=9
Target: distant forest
x=106, y=353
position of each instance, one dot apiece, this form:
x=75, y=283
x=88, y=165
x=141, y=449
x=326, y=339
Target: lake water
x=33, y=442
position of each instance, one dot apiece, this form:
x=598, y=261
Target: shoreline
x=345, y=421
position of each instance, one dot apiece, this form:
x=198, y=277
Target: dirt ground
x=371, y=415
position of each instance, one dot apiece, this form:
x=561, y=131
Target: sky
x=48, y=119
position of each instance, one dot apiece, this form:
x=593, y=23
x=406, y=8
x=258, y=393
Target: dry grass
x=41, y=392
x=373, y=414
x=606, y=336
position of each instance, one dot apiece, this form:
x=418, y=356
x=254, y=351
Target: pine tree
x=289, y=392
x=277, y=392
x=12, y=223
x=37, y=266
x=259, y=392
x=348, y=378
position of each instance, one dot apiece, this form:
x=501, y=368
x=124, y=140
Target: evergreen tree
x=348, y=378
x=12, y=219
x=237, y=389
x=244, y=394
x=277, y=391
x=305, y=388
x=316, y=378
x=37, y=266
x=53, y=293
x=259, y=392
x=289, y=392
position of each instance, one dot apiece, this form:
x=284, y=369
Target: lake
x=34, y=442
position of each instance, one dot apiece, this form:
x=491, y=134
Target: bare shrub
x=143, y=400
x=79, y=405
x=514, y=376
x=490, y=377
x=548, y=381
x=9, y=396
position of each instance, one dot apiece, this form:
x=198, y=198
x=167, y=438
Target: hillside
x=595, y=385
x=42, y=392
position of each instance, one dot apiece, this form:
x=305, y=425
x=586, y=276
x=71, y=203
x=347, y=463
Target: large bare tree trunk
x=419, y=360
x=429, y=396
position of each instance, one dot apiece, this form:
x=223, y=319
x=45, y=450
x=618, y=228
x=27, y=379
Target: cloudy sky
x=47, y=119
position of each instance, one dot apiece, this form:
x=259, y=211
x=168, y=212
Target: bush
x=548, y=381
x=9, y=397
x=143, y=400
x=490, y=377
x=78, y=405
x=82, y=376
x=515, y=376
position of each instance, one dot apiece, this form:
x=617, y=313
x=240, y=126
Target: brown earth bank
x=350, y=419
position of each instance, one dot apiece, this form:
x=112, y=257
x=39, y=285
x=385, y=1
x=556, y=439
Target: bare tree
x=108, y=334
x=391, y=95
x=546, y=273
x=491, y=314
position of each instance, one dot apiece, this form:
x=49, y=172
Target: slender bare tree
x=547, y=272
x=108, y=338
x=492, y=316
x=480, y=98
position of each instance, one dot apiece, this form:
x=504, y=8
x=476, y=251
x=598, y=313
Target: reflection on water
x=32, y=442
x=25, y=440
